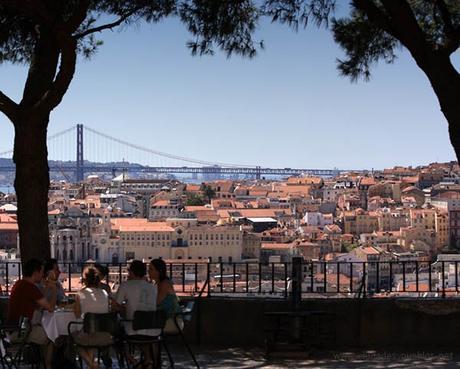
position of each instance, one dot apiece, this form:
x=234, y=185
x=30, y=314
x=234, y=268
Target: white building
x=318, y=219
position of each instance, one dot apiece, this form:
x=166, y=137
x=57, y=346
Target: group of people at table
x=40, y=292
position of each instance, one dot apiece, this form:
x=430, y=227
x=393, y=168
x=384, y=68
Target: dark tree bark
x=31, y=184
x=399, y=20
x=43, y=91
x=445, y=81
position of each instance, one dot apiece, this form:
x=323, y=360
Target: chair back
x=106, y=322
x=153, y=319
x=23, y=328
x=187, y=310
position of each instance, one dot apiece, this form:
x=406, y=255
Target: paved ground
x=237, y=358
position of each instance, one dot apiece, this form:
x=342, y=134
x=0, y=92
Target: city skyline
x=286, y=108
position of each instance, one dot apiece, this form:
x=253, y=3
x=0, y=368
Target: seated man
x=26, y=300
x=138, y=294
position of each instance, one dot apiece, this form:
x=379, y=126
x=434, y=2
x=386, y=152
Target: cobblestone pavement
x=237, y=358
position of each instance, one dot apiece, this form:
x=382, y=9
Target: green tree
x=208, y=192
x=429, y=30
x=374, y=30
x=48, y=35
x=194, y=200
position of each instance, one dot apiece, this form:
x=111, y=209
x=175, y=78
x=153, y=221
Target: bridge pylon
x=80, y=171
x=258, y=172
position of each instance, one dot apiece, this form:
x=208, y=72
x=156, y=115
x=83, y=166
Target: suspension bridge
x=81, y=150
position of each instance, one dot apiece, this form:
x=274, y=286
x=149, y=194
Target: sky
x=288, y=107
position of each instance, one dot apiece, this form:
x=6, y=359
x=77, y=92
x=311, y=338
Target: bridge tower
x=79, y=173
x=258, y=172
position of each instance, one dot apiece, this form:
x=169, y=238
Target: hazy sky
x=288, y=107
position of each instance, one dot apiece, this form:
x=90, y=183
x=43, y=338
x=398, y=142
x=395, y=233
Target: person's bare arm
x=49, y=304
x=44, y=304
x=77, y=306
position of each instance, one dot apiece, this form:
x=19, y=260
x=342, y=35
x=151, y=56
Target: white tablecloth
x=55, y=324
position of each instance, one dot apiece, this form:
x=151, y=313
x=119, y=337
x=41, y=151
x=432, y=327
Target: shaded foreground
x=240, y=358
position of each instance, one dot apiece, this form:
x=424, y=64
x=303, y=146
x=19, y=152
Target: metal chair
x=185, y=314
x=101, y=332
x=142, y=320
x=13, y=350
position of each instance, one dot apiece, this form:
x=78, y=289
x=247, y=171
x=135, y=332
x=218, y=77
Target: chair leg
x=120, y=356
x=156, y=359
x=170, y=359
x=189, y=349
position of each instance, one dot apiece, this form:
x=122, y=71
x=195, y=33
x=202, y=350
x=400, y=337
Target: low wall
x=364, y=323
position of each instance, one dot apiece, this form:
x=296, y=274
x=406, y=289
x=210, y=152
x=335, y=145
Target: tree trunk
x=31, y=184
x=445, y=81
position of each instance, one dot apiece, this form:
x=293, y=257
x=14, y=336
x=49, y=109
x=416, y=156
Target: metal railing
x=318, y=278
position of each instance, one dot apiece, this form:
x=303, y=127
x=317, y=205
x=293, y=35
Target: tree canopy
x=48, y=35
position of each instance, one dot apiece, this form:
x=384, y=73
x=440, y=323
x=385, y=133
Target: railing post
x=247, y=278
x=443, y=280
x=7, y=278
x=196, y=276
x=208, y=277
x=296, y=295
x=286, y=292
x=296, y=283
x=70, y=277
x=234, y=277
x=183, y=277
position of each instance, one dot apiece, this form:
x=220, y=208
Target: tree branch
x=375, y=15
x=32, y=9
x=78, y=17
x=404, y=22
x=452, y=34
x=8, y=107
x=105, y=26
x=445, y=16
x=55, y=93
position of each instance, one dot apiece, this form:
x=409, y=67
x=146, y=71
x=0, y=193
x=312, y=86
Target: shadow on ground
x=237, y=358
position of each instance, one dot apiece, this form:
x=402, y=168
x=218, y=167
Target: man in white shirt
x=137, y=294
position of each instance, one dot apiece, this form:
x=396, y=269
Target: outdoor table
x=55, y=323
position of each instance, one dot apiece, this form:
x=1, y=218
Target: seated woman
x=90, y=299
x=103, y=273
x=51, y=274
x=166, y=298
